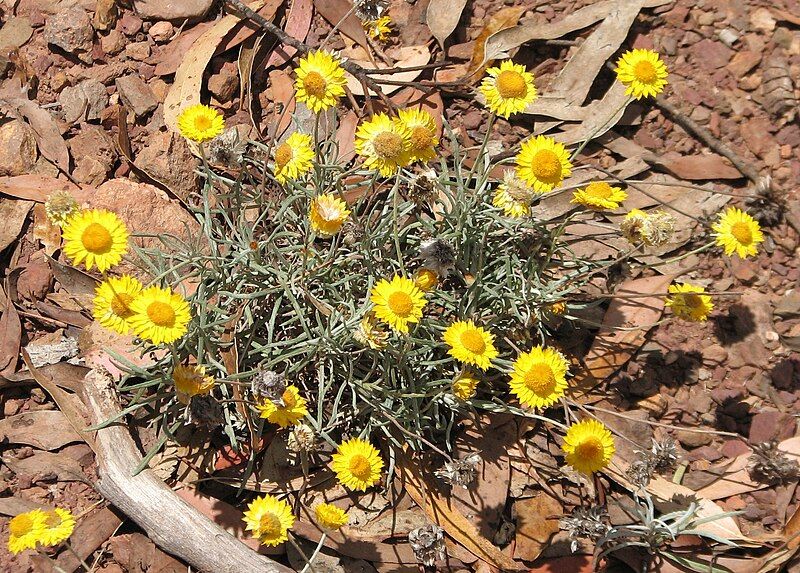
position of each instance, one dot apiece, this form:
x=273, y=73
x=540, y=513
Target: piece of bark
x=171, y=523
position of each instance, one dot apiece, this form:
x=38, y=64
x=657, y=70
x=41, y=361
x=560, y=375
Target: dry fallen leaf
x=537, y=522
x=613, y=348
x=410, y=56
x=13, y=214
x=501, y=20
x=442, y=17
x=42, y=429
x=298, y=22
x=340, y=13
x=34, y=187
x=10, y=337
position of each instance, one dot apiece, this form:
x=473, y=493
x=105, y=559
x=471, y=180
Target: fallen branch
x=171, y=523
x=350, y=66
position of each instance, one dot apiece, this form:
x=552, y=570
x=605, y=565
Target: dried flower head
x=268, y=385
x=227, y=149
x=422, y=189
x=428, y=544
x=204, y=410
x=370, y=9
x=460, y=472
x=661, y=457
x=301, y=439
x=768, y=464
x=585, y=523
x=653, y=229
x=60, y=206
x=437, y=255
x=369, y=333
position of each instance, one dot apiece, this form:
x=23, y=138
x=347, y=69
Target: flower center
x=283, y=155
x=388, y=145
x=546, y=165
x=315, y=85
x=590, y=449
x=202, y=123
x=400, y=303
x=511, y=84
x=539, y=379
x=288, y=400
x=473, y=341
x=742, y=233
x=599, y=190
x=645, y=72
x=360, y=467
x=20, y=525
x=161, y=314
x=96, y=239
x=421, y=137
x=53, y=519
x=120, y=305
x=269, y=525
x=692, y=300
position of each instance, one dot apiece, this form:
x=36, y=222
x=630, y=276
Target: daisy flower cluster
x=39, y=528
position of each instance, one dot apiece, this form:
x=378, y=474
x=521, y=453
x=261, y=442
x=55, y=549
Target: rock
x=711, y=55
x=782, y=375
x=746, y=270
x=18, y=150
x=656, y=405
x=161, y=31
x=71, y=30
x=733, y=448
x=743, y=62
x=130, y=24
x=113, y=43
x=84, y=102
x=94, y=154
x=35, y=280
x=105, y=15
x=692, y=440
x=755, y=132
x=138, y=51
x=762, y=19
x=706, y=453
x=167, y=158
x=225, y=83
x=771, y=425
x=135, y=94
x=171, y=9
x=472, y=119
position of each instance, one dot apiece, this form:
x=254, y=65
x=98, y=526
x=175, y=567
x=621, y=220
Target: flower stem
x=314, y=555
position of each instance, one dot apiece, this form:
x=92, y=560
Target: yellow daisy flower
x=320, y=81
x=465, y=385
x=191, y=381
x=379, y=29
x=508, y=89
x=159, y=315
x=543, y=163
x=599, y=196
x=588, y=446
x=398, y=303
x=470, y=344
x=369, y=334
x=643, y=72
x=95, y=237
x=327, y=214
x=58, y=526
x=200, y=123
x=422, y=128
x=293, y=157
x=60, y=206
x=539, y=377
x=112, y=302
x=357, y=464
x=270, y=519
x=293, y=410
x=329, y=517
x=513, y=196
x=689, y=303
x=25, y=530
x=384, y=143
x=737, y=232
x=426, y=279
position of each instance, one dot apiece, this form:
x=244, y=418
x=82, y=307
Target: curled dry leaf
x=410, y=56
x=297, y=25
x=10, y=338
x=501, y=20
x=537, y=522
x=48, y=136
x=442, y=17
x=13, y=214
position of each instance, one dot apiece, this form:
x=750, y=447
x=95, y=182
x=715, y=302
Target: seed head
x=437, y=255
x=301, y=439
x=428, y=544
x=768, y=464
x=269, y=385
x=460, y=472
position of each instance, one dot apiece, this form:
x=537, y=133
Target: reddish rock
x=136, y=95
x=743, y=62
x=130, y=24
x=171, y=9
x=771, y=425
x=18, y=150
x=782, y=374
x=756, y=135
x=734, y=448
x=167, y=158
x=161, y=31
x=711, y=54
x=224, y=83
x=70, y=29
x=707, y=453
x=94, y=154
x=138, y=51
x=35, y=280
x=113, y=43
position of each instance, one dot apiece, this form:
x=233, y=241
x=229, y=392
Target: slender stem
x=316, y=552
x=78, y=557
x=594, y=132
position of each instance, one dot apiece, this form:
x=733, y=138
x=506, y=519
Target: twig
x=704, y=135
x=304, y=48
